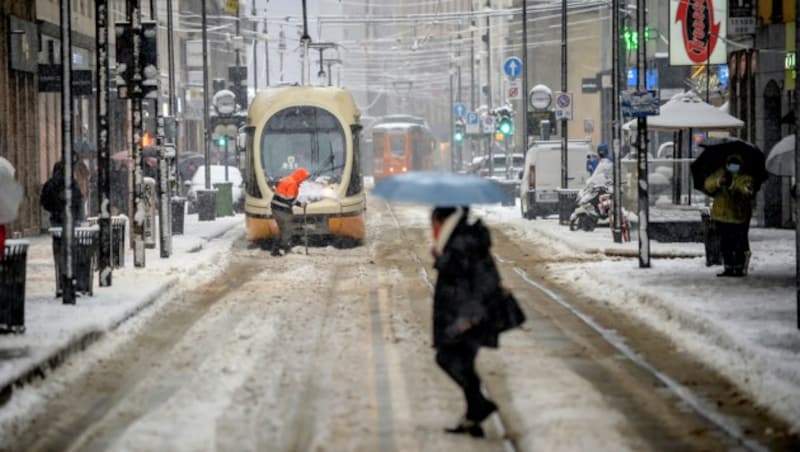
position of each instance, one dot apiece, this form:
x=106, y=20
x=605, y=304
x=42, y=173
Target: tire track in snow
x=116, y=379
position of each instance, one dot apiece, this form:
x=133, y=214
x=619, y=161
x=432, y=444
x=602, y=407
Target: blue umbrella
x=439, y=189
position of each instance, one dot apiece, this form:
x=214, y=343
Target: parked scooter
x=593, y=205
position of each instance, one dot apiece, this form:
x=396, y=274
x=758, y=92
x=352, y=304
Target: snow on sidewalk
x=598, y=241
x=744, y=328
x=54, y=329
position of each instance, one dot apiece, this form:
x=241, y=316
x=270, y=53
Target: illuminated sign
x=697, y=32
x=651, y=78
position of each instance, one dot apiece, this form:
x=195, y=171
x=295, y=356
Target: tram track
x=704, y=409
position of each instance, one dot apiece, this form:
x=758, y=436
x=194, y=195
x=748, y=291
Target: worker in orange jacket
x=283, y=199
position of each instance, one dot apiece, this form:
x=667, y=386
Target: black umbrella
x=715, y=154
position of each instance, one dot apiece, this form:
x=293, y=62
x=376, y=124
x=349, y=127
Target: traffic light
x=630, y=38
x=505, y=126
x=124, y=34
x=458, y=134
x=147, y=140
x=237, y=75
x=222, y=141
x=149, y=60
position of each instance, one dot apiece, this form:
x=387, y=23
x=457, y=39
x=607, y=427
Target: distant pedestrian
x=470, y=307
x=53, y=198
x=283, y=200
x=591, y=163
x=731, y=211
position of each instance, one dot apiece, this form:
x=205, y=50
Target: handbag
x=504, y=312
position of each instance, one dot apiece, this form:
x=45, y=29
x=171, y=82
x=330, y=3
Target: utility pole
x=68, y=230
x=452, y=118
x=524, y=77
x=266, y=49
x=305, y=41
x=175, y=183
x=488, y=40
x=564, y=134
x=472, y=103
x=488, y=58
x=237, y=51
x=164, y=160
x=137, y=229
x=103, y=160
x=206, y=106
x=641, y=140
x=460, y=145
x=796, y=172
x=616, y=135
x=255, y=47
x=177, y=203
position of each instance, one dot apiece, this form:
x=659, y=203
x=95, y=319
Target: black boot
x=486, y=410
x=728, y=272
x=467, y=426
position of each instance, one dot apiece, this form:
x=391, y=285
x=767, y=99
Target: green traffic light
x=222, y=141
x=506, y=127
x=458, y=136
x=631, y=38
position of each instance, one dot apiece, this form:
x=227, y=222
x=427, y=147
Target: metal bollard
x=12, y=286
x=178, y=213
x=150, y=212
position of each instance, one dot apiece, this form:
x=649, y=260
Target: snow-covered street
x=331, y=351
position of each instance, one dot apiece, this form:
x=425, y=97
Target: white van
x=541, y=177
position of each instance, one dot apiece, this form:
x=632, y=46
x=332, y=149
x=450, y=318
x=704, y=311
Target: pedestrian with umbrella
x=731, y=171
x=470, y=306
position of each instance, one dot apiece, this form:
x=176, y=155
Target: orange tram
x=402, y=143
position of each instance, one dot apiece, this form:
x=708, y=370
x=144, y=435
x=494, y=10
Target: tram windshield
x=307, y=137
x=397, y=144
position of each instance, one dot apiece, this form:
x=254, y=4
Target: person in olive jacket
x=731, y=211
x=470, y=307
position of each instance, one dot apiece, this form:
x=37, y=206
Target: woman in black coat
x=470, y=308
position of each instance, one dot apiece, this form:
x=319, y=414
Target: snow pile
x=599, y=241
x=321, y=188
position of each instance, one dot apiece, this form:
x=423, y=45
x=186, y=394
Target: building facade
x=19, y=105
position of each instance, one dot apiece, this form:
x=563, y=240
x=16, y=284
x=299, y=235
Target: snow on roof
x=687, y=110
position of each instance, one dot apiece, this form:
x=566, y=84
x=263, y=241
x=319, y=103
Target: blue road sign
x=460, y=110
x=512, y=66
x=472, y=118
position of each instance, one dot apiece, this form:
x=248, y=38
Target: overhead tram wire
x=574, y=6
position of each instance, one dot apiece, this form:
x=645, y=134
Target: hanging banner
x=697, y=32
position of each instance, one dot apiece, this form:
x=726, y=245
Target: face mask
x=733, y=167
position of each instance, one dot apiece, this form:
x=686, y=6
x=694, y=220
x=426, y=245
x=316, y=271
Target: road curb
x=84, y=339
x=77, y=344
